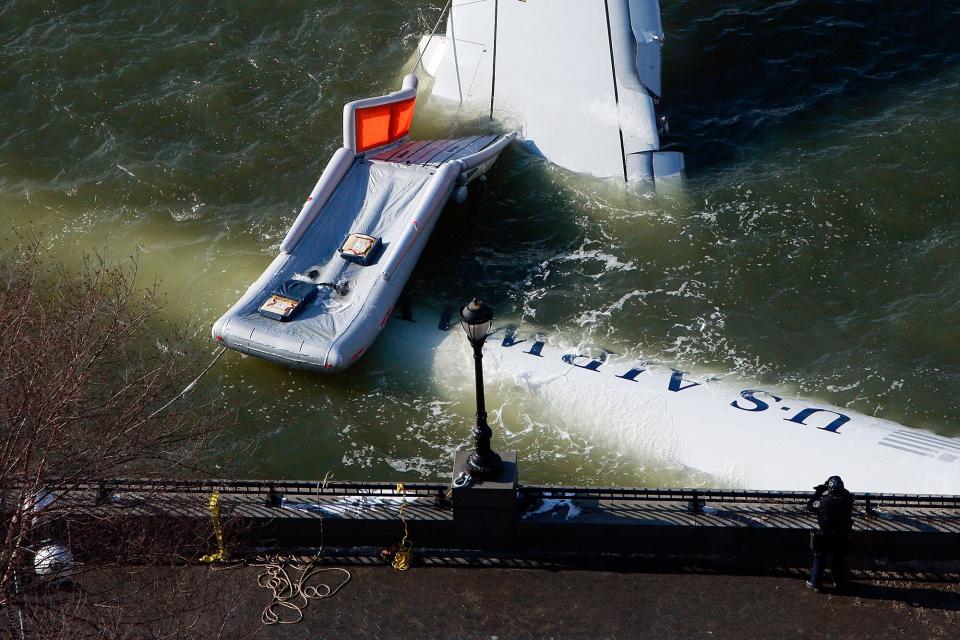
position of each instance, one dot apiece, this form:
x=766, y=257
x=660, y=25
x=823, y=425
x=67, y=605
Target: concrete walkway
x=503, y=600
x=442, y=602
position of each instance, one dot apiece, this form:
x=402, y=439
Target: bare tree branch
x=83, y=372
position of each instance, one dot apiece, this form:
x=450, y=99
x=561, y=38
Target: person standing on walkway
x=833, y=505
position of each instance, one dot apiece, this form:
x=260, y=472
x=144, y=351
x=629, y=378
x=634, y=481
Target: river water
x=814, y=249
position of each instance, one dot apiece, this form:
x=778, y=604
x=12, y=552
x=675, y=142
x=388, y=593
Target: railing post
x=274, y=498
x=103, y=494
x=485, y=511
x=695, y=505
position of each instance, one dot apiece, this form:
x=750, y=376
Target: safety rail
x=251, y=487
x=434, y=489
x=870, y=500
x=284, y=514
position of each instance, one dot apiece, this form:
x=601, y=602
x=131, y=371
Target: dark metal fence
x=253, y=487
x=768, y=526
x=696, y=497
x=872, y=500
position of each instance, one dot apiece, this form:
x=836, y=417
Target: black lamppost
x=476, y=318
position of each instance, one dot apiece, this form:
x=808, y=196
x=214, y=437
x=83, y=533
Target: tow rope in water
x=190, y=387
x=427, y=46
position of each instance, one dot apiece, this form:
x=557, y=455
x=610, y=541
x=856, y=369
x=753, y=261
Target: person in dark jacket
x=833, y=505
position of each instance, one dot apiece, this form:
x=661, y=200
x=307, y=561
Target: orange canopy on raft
x=383, y=124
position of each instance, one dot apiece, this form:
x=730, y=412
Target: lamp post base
x=485, y=512
x=486, y=466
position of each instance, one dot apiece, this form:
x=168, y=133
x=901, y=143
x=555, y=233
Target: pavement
x=380, y=602
x=504, y=602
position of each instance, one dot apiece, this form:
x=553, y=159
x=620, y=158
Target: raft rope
x=190, y=387
x=404, y=554
x=427, y=46
x=293, y=593
x=221, y=554
x=290, y=591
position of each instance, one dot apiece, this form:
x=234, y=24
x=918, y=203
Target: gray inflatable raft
x=314, y=308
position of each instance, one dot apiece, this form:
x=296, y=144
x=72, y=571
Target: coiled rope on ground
x=292, y=591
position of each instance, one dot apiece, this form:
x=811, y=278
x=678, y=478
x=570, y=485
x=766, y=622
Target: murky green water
x=814, y=249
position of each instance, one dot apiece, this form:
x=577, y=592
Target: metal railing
x=871, y=501
x=251, y=487
x=434, y=489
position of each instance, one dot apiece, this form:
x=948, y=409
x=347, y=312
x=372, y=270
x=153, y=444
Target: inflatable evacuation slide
x=324, y=299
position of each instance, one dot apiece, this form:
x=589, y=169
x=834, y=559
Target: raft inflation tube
x=325, y=298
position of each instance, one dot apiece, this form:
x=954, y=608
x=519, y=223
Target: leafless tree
x=88, y=369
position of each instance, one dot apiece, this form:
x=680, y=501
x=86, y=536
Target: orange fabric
x=377, y=126
x=373, y=127
x=401, y=118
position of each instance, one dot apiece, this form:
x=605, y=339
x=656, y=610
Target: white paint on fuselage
x=760, y=440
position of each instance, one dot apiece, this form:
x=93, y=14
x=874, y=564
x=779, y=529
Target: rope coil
x=293, y=594
x=221, y=554
x=404, y=554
